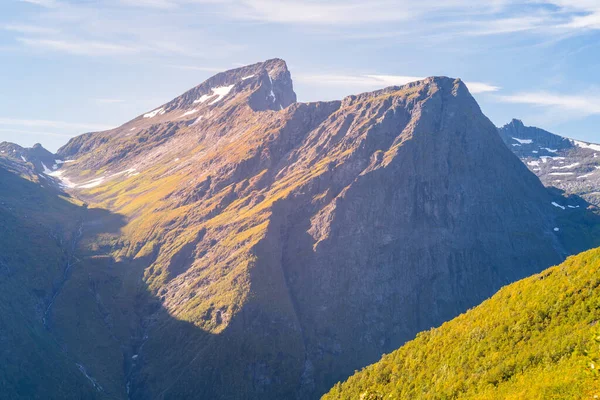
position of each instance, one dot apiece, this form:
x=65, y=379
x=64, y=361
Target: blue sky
x=72, y=66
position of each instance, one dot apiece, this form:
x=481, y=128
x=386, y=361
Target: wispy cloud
x=369, y=81
x=162, y=4
x=197, y=68
x=35, y=133
x=118, y=28
x=30, y=29
x=79, y=47
x=581, y=105
x=43, y=3
x=53, y=124
x=484, y=18
x=481, y=87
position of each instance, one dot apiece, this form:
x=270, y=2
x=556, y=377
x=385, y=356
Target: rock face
x=269, y=248
x=569, y=165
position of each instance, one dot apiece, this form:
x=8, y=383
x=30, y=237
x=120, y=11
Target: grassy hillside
x=538, y=338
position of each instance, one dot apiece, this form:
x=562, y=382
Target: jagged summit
x=268, y=85
x=258, y=87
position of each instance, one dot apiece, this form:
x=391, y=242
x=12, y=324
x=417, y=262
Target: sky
x=73, y=66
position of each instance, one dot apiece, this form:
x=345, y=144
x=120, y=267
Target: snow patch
x=92, y=183
x=555, y=204
x=152, y=114
x=189, y=113
x=247, y=77
x=24, y=159
x=535, y=152
x=550, y=150
x=585, y=176
x=46, y=170
x=560, y=173
x=585, y=145
x=567, y=166
x=556, y=229
x=523, y=141
x=220, y=92
x=534, y=163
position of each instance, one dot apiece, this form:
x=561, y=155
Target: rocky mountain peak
x=268, y=86
x=273, y=252
x=517, y=123
x=529, y=141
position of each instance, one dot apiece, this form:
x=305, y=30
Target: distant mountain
x=37, y=157
x=535, y=339
x=233, y=243
x=567, y=164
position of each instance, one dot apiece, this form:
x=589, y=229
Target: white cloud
x=79, y=47
x=149, y=3
x=319, y=12
x=480, y=87
x=364, y=82
x=35, y=133
x=355, y=80
x=198, y=68
x=581, y=105
x=42, y=3
x=30, y=29
x=590, y=21
x=53, y=124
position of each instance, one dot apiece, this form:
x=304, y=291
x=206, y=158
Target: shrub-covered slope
x=535, y=339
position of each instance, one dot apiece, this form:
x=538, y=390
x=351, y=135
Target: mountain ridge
x=277, y=250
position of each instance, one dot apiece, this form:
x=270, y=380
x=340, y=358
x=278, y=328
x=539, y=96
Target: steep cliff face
x=267, y=248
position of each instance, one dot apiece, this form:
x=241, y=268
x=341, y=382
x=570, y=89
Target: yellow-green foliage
x=534, y=339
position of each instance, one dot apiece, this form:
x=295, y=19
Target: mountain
x=567, y=164
x=29, y=160
x=233, y=243
x=535, y=339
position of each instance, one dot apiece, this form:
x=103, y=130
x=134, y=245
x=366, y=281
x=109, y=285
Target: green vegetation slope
x=534, y=339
